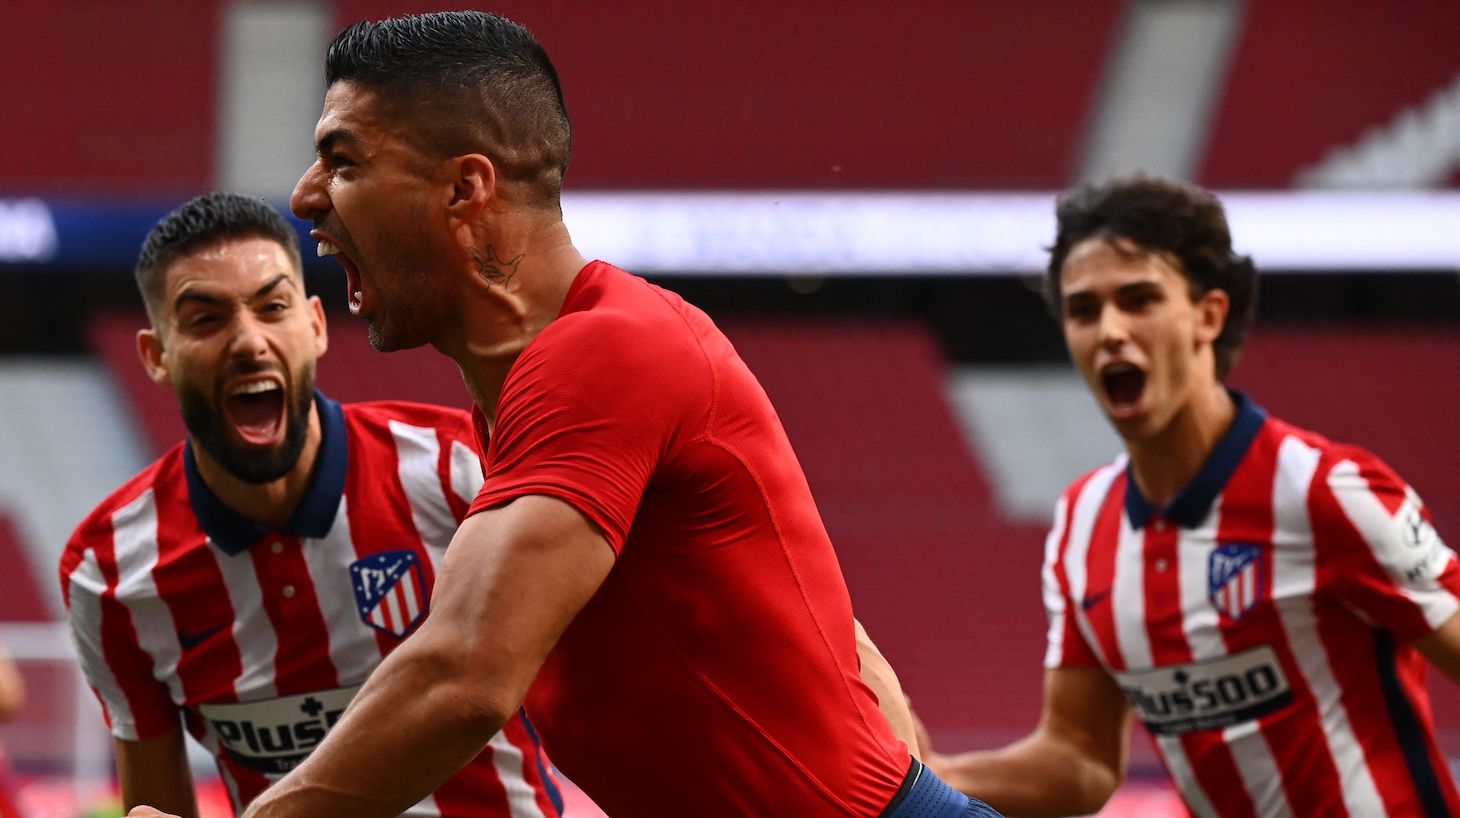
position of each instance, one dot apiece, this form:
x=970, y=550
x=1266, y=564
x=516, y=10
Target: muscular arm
x=1442, y=648
x=513, y=579
x=156, y=772
x=878, y=674
x=1070, y=765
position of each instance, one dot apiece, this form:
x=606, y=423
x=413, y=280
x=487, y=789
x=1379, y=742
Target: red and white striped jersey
x=1261, y=625
x=259, y=637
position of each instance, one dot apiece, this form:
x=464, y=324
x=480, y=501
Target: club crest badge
x=390, y=591
x=1236, y=579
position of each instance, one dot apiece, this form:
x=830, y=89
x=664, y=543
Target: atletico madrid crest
x=1236, y=579
x=390, y=591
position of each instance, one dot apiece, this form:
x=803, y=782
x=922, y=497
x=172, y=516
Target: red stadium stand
x=946, y=586
x=22, y=600
x=817, y=94
x=108, y=98
x=1308, y=77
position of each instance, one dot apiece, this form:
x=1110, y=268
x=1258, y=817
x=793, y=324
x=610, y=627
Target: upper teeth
x=327, y=248
x=253, y=388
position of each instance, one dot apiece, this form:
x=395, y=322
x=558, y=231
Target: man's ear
x=317, y=323
x=474, y=183
x=1211, y=315
x=149, y=350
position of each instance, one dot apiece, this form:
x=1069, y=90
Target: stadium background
x=857, y=191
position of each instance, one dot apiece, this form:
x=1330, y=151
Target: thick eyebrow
x=190, y=296
x=1124, y=289
x=269, y=287
x=210, y=300
x=334, y=137
x=1136, y=287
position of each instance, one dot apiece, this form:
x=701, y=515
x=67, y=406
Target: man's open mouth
x=256, y=410
x=354, y=292
x=1123, y=383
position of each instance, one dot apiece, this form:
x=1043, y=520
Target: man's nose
x=308, y=201
x=1114, y=329
x=249, y=339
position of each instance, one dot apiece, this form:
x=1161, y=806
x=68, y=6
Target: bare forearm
x=877, y=673
x=419, y=719
x=156, y=772
x=1034, y=778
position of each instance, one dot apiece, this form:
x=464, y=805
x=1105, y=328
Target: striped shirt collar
x=1191, y=505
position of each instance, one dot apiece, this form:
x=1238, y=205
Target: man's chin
x=1130, y=424
x=259, y=465
x=384, y=339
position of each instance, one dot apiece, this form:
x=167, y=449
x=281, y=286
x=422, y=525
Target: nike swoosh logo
x=190, y=640
x=1091, y=600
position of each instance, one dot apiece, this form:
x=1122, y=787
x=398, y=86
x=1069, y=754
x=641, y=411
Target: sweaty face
x=1135, y=333
x=377, y=209
x=237, y=342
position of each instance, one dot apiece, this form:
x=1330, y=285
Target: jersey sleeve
x=1391, y=565
x=135, y=706
x=1065, y=645
x=588, y=413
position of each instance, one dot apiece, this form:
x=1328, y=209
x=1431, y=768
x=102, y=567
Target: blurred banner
x=875, y=233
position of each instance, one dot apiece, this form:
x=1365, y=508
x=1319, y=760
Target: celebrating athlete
x=644, y=565
x=1261, y=598
x=244, y=585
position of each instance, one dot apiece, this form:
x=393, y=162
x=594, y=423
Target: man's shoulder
x=619, y=304
x=164, y=476
x=1327, y=454
x=620, y=340
x=1100, y=476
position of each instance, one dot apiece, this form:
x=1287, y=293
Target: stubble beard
x=410, y=323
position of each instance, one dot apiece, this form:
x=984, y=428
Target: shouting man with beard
x=244, y=585
x=645, y=566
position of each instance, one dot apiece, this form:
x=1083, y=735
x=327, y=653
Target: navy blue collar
x=1191, y=505
x=234, y=533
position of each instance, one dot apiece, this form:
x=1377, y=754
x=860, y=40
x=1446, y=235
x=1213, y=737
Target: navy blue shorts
x=925, y=795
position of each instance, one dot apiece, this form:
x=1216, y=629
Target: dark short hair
x=464, y=82
x=1178, y=220
x=200, y=223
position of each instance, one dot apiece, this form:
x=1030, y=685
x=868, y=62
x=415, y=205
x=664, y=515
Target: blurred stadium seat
x=22, y=599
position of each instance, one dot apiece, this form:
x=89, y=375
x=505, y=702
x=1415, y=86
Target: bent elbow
x=477, y=701
x=1097, y=788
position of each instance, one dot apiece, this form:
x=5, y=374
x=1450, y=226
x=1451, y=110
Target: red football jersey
x=1261, y=624
x=715, y=673
x=259, y=638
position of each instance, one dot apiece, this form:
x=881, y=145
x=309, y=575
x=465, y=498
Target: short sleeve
x=589, y=412
x=1065, y=645
x=134, y=705
x=1392, y=566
